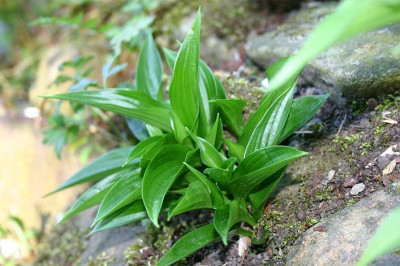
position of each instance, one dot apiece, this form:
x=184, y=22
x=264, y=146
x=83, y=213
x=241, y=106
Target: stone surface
x=360, y=187
x=347, y=233
x=361, y=67
x=111, y=242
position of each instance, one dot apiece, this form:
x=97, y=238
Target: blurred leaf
x=129, y=32
x=107, y=71
x=350, y=18
x=385, y=240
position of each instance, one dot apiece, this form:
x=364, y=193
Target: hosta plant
x=187, y=163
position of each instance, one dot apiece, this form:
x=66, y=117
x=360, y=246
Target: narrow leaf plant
x=187, y=163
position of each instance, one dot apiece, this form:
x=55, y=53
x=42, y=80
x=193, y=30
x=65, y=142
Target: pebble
x=331, y=174
x=390, y=167
x=357, y=189
x=301, y=216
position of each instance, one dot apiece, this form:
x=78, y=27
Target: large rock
x=341, y=239
x=362, y=67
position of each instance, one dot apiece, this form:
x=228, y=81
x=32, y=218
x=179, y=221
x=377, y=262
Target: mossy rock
x=362, y=67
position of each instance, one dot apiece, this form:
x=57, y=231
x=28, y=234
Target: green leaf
x=125, y=191
x=128, y=214
x=385, y=240
x=350, y=18
x=269, y=129
x=216, y=133
x=129, y=103
x=189, y=243
x=149, y=69
x=228, y=215
x=92, y=196
x=107, y=71
x=179, y=129
x=170, y=57
x=303, y=109
x=151, y=153
x=235, y=149
x=260, y=165
x=222, y=175
x=143, y=147
x=103, y=166
x=215, y=193
x=231, y=113
x=184, y=89
x=266, y=102
x=161, y=173
x=209, y=155
x=259, y=198
x=196, y=197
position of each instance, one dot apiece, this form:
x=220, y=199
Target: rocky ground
x=331, y=201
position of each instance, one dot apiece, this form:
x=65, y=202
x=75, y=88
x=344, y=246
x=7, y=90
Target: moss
x=101, y=260
x=64, y=245
x=325, y=194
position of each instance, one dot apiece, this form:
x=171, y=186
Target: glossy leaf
x=125, y=191
x=231, y=113
x=235, y=149
x=91, y=197
x=269, y=129
x=148, y=156
x=143, y=147
x=228, y=215
x=209, y=155
x=215, y=194
x=259, y=198
x=189, y=243
x=216, y=133
x=222, y=175
x=103, y=166
x=128, y=214
x=302, y=110
x=196, y=197
x=260, y=165
x=184, y=89
x=129, y=103
x=266, y=102
x=149, y=69
x=161, y=173
x=385, y=240
x=350, y=18
x=138, y=128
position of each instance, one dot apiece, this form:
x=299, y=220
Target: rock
x=362, y=67
x=360, y=187
x=347, y=234
x=390, y=167
x=331, y=174
x=388, y=155
x=112, y=242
